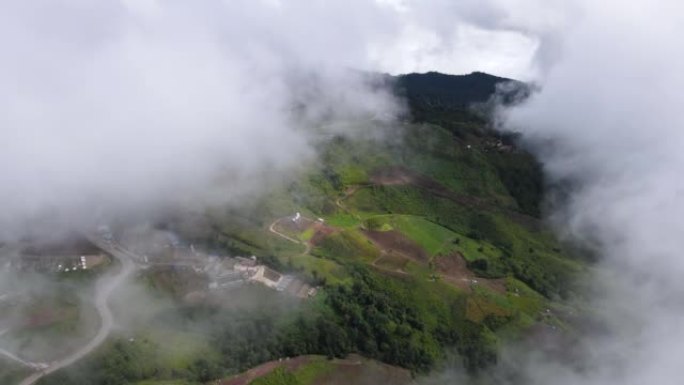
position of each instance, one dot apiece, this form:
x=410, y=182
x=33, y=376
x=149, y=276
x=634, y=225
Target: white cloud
x=465, y=49
x=610, y=106
x=127, y=105
x=118, y=102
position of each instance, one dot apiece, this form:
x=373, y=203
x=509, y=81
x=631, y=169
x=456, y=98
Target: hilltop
x=455, y=91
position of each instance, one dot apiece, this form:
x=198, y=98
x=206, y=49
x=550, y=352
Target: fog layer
x=116, y=106
x=608, y=120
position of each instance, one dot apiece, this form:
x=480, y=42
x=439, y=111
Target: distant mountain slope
x=435, y=97
x=449, y=90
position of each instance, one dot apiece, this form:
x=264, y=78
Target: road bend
x=104, y=288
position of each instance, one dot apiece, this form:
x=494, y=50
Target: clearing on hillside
x=455, y=270
x=395, y=175
x=394, y=241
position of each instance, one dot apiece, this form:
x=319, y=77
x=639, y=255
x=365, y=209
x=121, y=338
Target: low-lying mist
x=607, y=121
x=123, y=108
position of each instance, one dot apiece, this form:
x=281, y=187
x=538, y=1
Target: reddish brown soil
x=396, y=175
x=358, y=371
x=453, y=268
x=352, y=370
x=320, y=232
x=263, y=369
x=289, y=226
x=95, y=260
x=393, y=273
x=394, y=241
x=498, y=285
x=455, y=271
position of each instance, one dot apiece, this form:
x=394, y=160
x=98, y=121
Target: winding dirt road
x=103, y=290
x=272, y=229
x=351, y=190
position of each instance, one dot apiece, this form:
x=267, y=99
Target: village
x=109, y=258
x=150, y=248
x=161, y=248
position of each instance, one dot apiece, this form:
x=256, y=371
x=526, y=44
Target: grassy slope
x=481, y=213
x=480, y=201
x=318, y=370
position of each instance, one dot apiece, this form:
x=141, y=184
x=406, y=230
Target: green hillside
x=425, y=241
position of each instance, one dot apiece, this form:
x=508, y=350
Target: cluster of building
x=229, y=272
x=163, y=248
x=56, y=263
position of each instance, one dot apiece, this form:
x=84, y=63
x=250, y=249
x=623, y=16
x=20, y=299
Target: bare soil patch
x=395, y=175
x=321, y=231
x=454, y=270
x=351, y=370
x=264, y=369
x=359, y=371
x=498, y=285
x=287, y=225
x=95, y=260
x=395, y=242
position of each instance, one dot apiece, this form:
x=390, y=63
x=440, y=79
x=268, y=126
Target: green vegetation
x=405, y=322
x=434, y=238
x=510, y=243
x=347, y=244
x=313, y=370
x=465, y=261
x=319, y=269
x=304, y=375
x=451, y=185
x=277, y=377
x=316, y=369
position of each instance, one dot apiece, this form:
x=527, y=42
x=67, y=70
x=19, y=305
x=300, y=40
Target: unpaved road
x=271, y=228
x=103, y=290
x=351, y=190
